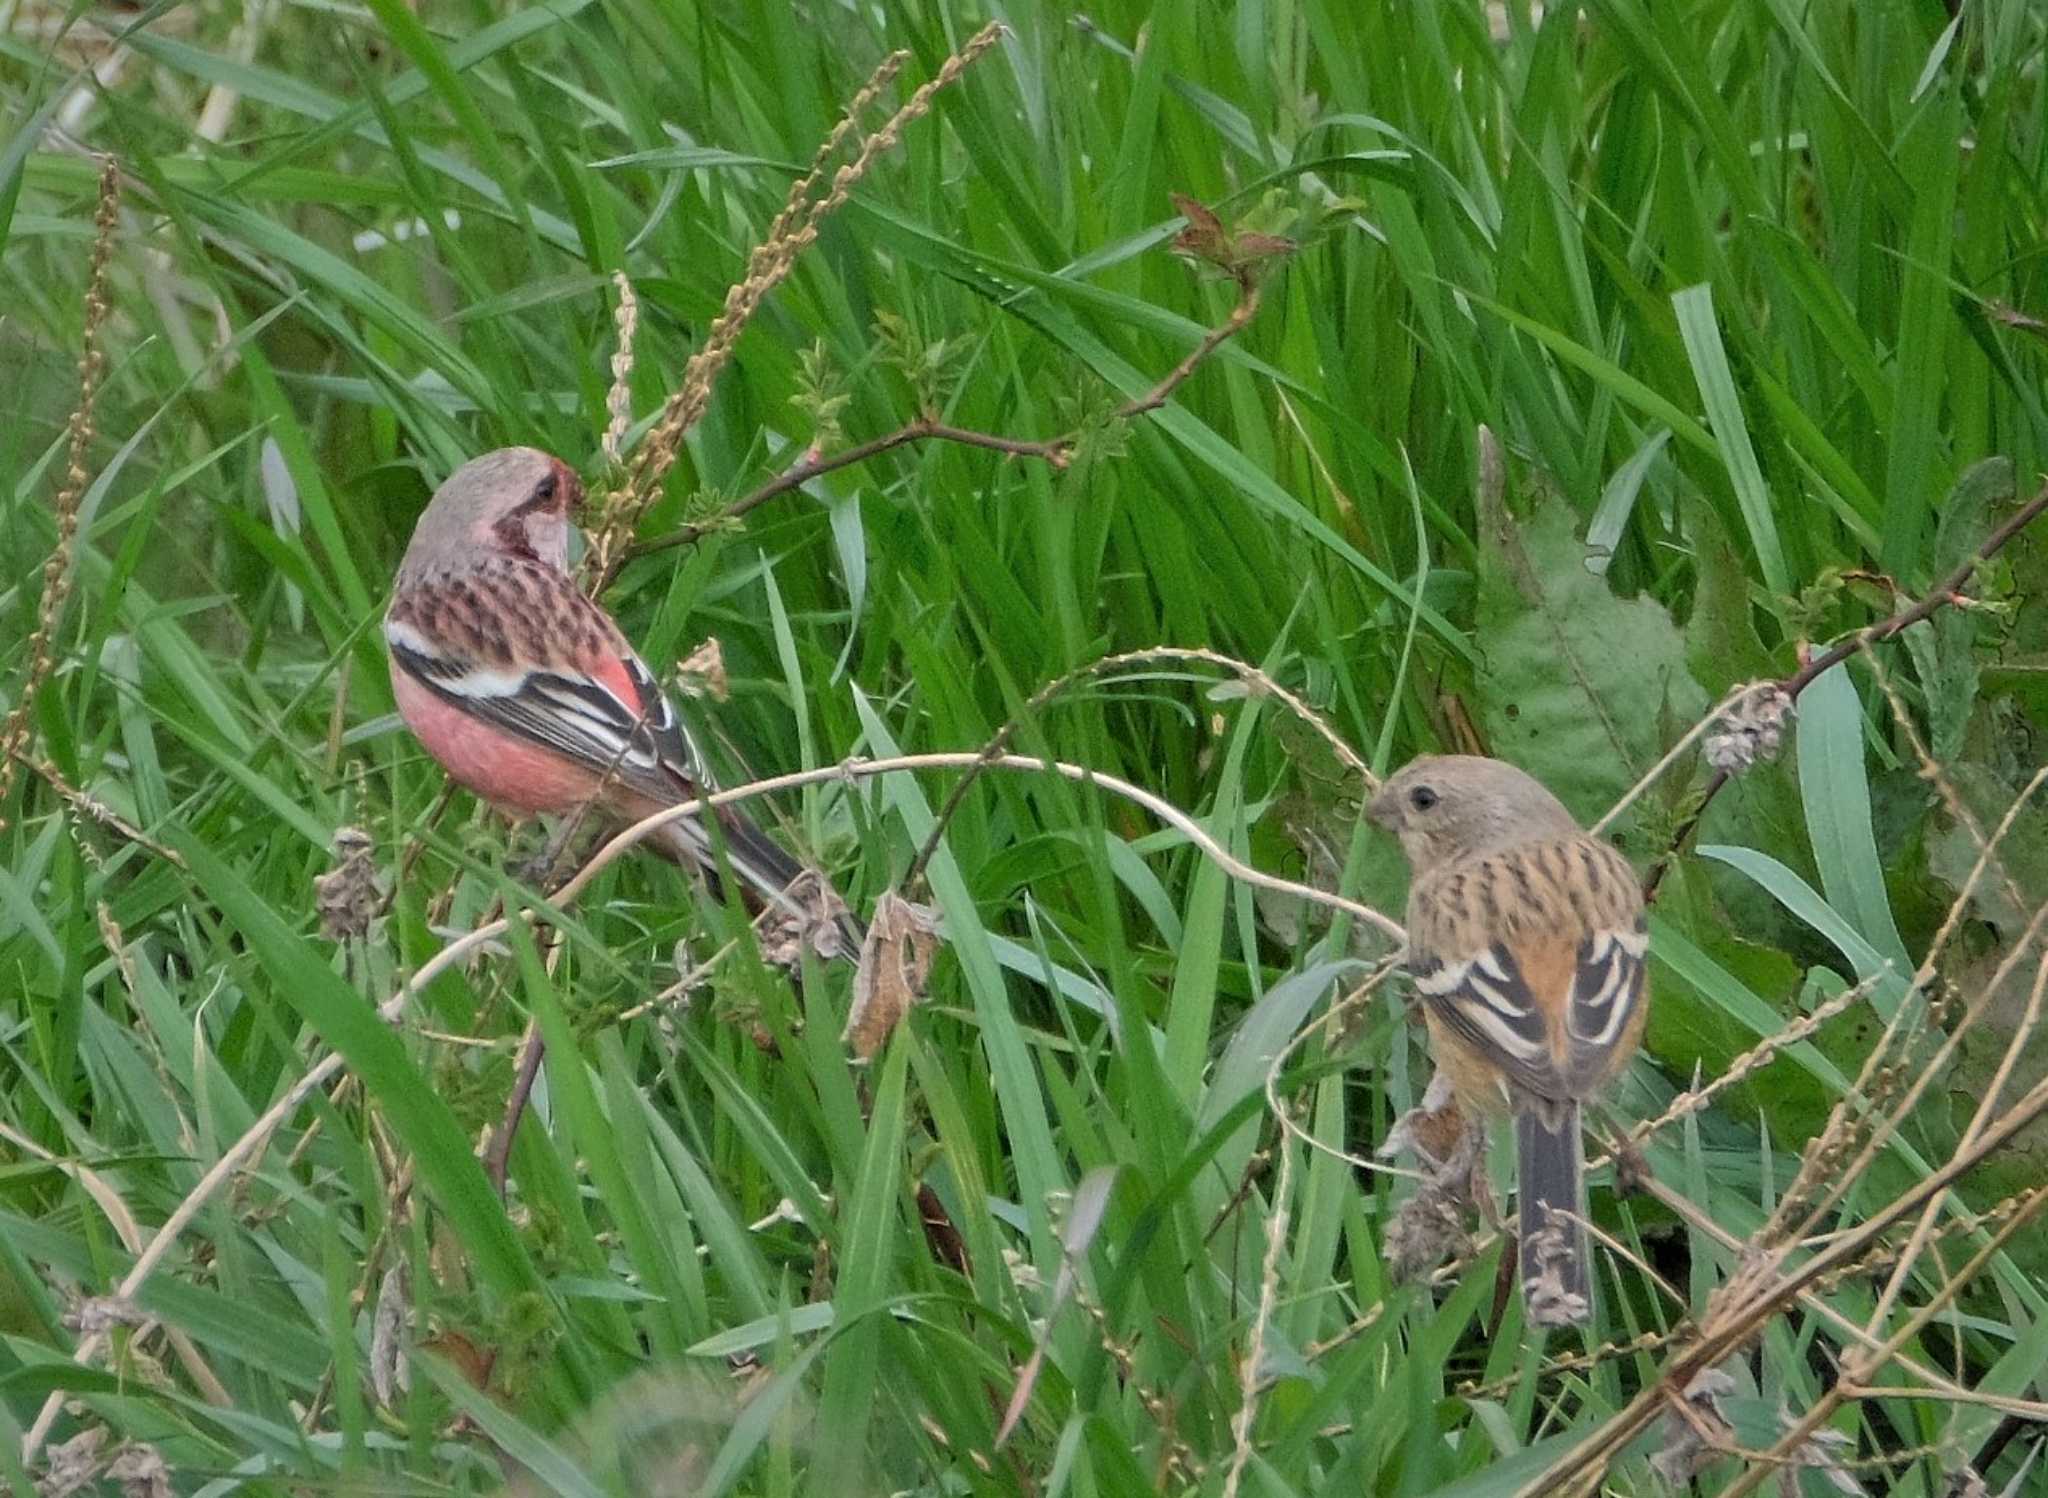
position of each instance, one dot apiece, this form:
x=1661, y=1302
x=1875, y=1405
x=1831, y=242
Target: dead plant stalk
x=57, y=571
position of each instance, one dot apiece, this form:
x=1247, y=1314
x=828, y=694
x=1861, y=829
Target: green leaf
x=1836, y=791
x=1945, y=647
x=564, y=1473
x=867, y=1257
x=1914, y=444
x=1799, y=897
x=412, y=1106
x=1575, y=685
x=1721, y=643
x=1702, y=335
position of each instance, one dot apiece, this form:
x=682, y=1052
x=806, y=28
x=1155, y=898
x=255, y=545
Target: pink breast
x=506, y=771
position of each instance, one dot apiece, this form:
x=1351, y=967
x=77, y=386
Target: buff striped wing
x=1535, y=957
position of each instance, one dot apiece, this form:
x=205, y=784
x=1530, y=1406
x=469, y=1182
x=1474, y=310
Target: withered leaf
x=1204, y=237
x=702, y=672
x=347, y=897
x=894, y=963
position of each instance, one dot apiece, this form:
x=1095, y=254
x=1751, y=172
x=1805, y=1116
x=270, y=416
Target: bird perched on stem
x=528, y=694
x=1526, y=939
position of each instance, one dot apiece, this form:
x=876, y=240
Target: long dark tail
x=1551, y=1173
x=767, y=870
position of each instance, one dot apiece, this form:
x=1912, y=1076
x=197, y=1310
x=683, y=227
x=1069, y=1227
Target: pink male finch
x=527, y=693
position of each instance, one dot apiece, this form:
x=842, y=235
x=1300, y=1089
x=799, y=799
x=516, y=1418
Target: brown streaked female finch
x=1527, y=943
x=528, y=695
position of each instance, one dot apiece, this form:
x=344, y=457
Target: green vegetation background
x=1747, y=292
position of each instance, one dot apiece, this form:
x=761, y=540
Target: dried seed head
x=347, y=896
x=140, y=1470
x=1426, y=1229
x=1752, y=728
x=390, y=1371
x=1821, y=1452
x=57, y=571
x=894, y=964
x=819, y=923
x=619, y=399
x=97, y=1315
x=72, y=1465
x=1432, y=1132
x=702, y=673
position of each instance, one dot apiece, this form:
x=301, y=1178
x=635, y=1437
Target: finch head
x=1445, y=806
x=516, y=501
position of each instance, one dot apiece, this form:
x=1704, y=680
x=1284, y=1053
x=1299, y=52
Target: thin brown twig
x=793, y=232
x=532, y=1051
x=498, y=1153
x=1945, y=594
x=1859, y=1365
x=924, y=429
x=1057, y=451
x=1765, y=1283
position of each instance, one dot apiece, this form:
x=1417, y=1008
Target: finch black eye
x=545, y=489
x=1422, y=798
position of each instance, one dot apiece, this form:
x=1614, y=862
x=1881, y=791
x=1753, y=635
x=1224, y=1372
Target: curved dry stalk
x=1945, y=594
x=1256, y=681
x=1247, y=1411
x=252, y=1141
x=57, y=571
x=1366, y=987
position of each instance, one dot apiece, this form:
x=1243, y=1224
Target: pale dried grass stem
x=618, y=401
x=243, y=1149
x=1248, y=1381
x=57, y=570
x=793, y=231
x=1257, y=683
